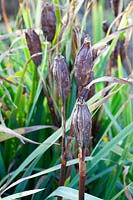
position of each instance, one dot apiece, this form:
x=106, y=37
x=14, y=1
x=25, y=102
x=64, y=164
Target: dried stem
x=49, y=100
x=81, y=173
x=64, y=154
x=5, y=17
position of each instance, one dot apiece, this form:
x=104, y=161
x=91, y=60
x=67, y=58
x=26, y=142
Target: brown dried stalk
x=62, y=81
x=49, y=100
x=82, y=174
x=5, y=17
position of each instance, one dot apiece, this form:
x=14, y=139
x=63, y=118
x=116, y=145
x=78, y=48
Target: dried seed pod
x=82, y=124
x=34, y=45
x=61, y=76
x=84, y=63
x=116, y=6
x=48, y=21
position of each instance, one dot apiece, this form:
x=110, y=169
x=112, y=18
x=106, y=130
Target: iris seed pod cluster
x=48, y=21
x=82, y=124
x=83, y=69
x=34, y=45
x=61, y=76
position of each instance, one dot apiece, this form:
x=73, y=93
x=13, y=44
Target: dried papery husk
x=84, y=63
x=117, y=6
x=61, y=76
x=34, y=46
x=82, y=124
x=48, y=21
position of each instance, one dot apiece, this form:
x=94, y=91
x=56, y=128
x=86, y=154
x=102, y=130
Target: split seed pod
x=34, y=45
x=61, y=76
x=48, y=21
x=84, y=63
x=82, y=124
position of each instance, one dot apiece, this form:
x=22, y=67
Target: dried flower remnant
x=48, y=21
x=82, y=124
x=61, y=75
x=34, y=45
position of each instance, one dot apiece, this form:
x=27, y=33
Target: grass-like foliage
x=66, y=122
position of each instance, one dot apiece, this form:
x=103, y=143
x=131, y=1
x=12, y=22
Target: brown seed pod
x=34, y=45
x=84, y=63
x=116, y=6
x=61, y=76
x=48, y=21
x=82, y=124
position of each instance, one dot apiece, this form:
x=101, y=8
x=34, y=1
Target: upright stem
x=81, y=173
x=49, y=100
x=64, y=156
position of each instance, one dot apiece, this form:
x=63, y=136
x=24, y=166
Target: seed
x=82, y=124
x=61, y=76
x=48, y=21
x=34, y=45
x=84, y=63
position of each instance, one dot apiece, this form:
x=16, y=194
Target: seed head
x=84, y=63
x=48, y=21
x=82, y=124
x=61, y=76
x=34, y=45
